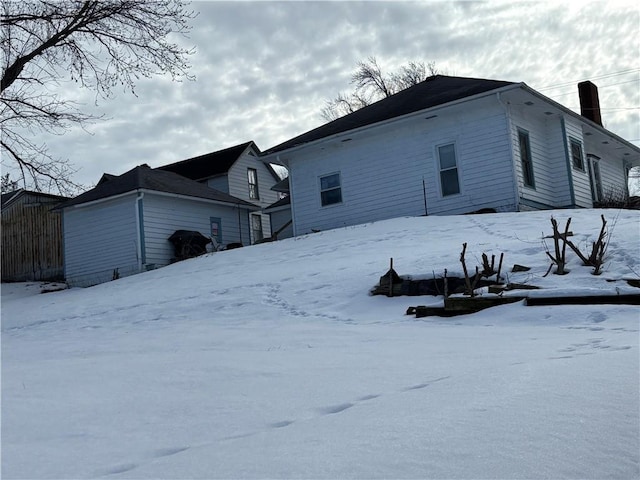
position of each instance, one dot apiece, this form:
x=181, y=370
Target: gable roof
x=145, y=178
x=9, y=198
x=434, y=91
x=212, y=164
x=282, y=186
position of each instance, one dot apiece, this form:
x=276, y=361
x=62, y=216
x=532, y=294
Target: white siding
x=551, y=178
x=382, y=169
x=581, y=181
x=239, y=185
x=98, y=239
x=612, y=169
x=164, y=215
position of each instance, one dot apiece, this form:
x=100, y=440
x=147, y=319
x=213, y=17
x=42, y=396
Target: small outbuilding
x=123, y=225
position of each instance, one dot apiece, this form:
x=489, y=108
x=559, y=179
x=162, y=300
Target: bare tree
x=371, y=84
x=7, y=185
x=98, y=44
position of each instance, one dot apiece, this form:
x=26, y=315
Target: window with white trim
x=525, y=158
x=576, y=154
x=252, y=176
x=593, y=161
x=449, y=183
x=330, y=189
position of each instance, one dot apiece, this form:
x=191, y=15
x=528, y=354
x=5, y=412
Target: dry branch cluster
x=488, y=270
x=594, y=258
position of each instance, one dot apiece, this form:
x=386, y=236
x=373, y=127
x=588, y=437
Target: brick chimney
x=589, y=102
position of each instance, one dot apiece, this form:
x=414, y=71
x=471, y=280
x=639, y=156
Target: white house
x=239, y=172
x=453, y=145
x=122, y=226
x=280, y=212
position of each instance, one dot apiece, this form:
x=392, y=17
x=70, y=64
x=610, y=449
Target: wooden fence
x=32, y=239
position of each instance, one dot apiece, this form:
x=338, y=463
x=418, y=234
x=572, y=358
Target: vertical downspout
x=507, y=114
x=63, y=246
x=239, y=223
x=568, y=161
x=291, y=202
x=141, y=251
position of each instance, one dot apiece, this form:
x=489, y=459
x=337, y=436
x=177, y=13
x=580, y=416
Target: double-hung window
x=449, y=182
x=330, y=189
x=525, y=158
x=593, y=162
x=252, y=175
x=576, y=154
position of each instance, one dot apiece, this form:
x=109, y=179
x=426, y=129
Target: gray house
x=121, y=227
x=239, y=172
x=453, y=145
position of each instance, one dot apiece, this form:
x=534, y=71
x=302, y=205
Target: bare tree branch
x=371, y=84
x=99, y=44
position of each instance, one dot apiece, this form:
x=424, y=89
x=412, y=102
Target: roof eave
x=583, y=119
x=276, y=154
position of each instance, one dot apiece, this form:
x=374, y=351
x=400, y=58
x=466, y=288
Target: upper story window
x=330, y=189
x=525, y=158
x=576, y=154
x=449, y=182
x=252, y=175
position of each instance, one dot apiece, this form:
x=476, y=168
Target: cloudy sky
x=265, y=69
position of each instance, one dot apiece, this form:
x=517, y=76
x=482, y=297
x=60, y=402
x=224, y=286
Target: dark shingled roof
x=144, y=177
x=282, y=186
x=434, y=91
x=211, y=164
x=280, y=203
x=8, y=198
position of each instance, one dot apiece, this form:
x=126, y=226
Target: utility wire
x=596, y=77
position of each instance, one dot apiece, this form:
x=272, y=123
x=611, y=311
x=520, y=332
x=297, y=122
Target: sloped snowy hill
x=273, y=361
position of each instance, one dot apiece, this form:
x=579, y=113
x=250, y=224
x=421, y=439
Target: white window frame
x=254, y=192
x=329, y=189
x=581, y=167
x=441, y=170
x=526, y=164
x=595, y=177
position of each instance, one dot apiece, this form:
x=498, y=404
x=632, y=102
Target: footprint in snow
x=125, y=467
x=597, y=317
x=284, y=423
x=335, y=408
x=167, y=452
x=367, y=397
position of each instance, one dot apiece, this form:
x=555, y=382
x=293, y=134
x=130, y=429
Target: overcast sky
x=265, y=69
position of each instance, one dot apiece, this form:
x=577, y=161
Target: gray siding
x=382, y=169
x=100, y=238
x=239, y=186
x=164, y=215
x=278, y=220
x=219, y=183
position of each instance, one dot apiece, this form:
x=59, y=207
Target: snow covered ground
x=272, y=361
